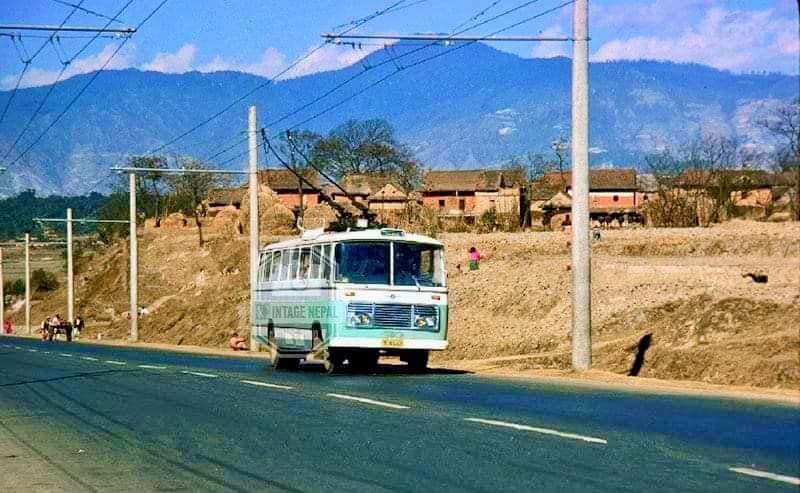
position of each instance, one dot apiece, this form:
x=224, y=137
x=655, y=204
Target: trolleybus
x=349, y=297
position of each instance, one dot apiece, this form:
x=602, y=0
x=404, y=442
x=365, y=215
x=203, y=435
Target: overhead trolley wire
x=271, y=80
x=51, y=88
x=86, y=86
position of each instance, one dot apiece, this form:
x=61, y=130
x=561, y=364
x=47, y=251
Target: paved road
x=76, y=417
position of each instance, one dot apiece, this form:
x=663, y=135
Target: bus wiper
x=416, y=281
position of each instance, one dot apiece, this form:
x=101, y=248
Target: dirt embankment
x=685, y=287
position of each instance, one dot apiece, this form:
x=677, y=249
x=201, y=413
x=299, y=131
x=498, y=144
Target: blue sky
x=264, y=36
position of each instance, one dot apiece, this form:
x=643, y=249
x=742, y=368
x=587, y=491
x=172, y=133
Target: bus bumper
x=370, y=342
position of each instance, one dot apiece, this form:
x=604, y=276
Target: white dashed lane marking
x=33, y=350
x=268, y=385
x=766, y=475
x=112, y=362
x=545, y=431
x=200, y=374
x=153, y=367
x=88, y=358
x=66, y=355
x=367, y=401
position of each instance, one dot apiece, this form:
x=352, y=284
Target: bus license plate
x=392, y=342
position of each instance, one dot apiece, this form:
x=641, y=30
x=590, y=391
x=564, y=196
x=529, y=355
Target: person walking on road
x=77, y=326
x=474, y=258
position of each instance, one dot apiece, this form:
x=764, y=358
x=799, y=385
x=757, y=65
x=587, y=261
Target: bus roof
x=313, y=237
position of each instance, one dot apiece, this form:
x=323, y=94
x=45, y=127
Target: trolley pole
x=134, y=276
x=581, y=253
x=70, y=276
x=253, y=175
x=28, y=283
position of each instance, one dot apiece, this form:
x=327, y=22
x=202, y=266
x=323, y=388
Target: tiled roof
x=285, y=180
x=368, y=184
x=470, y=180
x=225, y=196
x=599, y=179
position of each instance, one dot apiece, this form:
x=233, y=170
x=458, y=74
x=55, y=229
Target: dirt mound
x=274, y=217
x=227, y=222
x=174, y=221
x=319, y=216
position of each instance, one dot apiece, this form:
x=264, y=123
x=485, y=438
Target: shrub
x=43, y=280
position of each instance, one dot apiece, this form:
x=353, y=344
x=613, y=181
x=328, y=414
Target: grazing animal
x=759, y=278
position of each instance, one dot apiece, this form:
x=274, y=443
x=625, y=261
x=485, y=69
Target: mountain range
x=472, y=106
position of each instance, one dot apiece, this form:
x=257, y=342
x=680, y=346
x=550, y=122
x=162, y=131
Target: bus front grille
x=391, y=315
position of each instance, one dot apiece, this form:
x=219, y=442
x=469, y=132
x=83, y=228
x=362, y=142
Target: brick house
x=470, y=193
x=290, y=189
x=612, y=195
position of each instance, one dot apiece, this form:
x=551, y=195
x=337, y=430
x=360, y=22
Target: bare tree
x=151, y=183
x=298, y=150
x=784, y=125
x=192, y=189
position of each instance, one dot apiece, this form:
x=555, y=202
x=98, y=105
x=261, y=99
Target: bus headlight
x=358, y=319
x=425, y=321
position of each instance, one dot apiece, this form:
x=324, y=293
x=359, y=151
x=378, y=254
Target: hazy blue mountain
x=475, y=106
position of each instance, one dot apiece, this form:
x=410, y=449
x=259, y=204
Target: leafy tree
x=364, y=147
x=14, y=288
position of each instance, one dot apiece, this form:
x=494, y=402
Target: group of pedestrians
x=49, y=326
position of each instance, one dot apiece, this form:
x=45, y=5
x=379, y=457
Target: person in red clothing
x=474, y=258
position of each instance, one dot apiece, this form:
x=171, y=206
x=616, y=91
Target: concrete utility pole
x=28, y=283
x=134, y=277
x=581, y=251
x=2, y=295
x=253, y=175
x=70, y=277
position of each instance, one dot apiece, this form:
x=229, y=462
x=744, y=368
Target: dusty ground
x=683, y=286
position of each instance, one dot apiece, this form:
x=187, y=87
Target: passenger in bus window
x=237, y=342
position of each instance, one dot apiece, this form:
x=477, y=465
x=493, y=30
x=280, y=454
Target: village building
x=291, y=190
x=470, y=193
x=612, y=197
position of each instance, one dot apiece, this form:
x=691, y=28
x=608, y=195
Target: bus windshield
x=362, y=262
x=415, y=264
x=418, y=264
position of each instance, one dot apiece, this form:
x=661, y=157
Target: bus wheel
x=417, y=360
x=283, y=363
x=363, y=360
x=334, y=362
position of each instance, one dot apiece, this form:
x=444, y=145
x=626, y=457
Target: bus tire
x=282, y=363
x=363, y=360
x=334, y=362
x=417, y=360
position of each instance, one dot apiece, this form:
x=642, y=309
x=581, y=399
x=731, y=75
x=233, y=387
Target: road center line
x=66, y=355
x=33, y=350
x=112, y=362
x=545, y=431
x=265, y=384
x=153, y=367
x=88, y=358
x=768, y=475
x=367, y=401
x=200, y=374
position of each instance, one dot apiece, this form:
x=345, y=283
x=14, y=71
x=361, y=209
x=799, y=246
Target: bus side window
x=316, y=262
x=293, y=265
x=264, y=267
x=305, y=263
x=326, y=261
x=286, y=265
x=275, y=272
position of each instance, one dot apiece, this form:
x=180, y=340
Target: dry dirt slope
x=684, y=286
